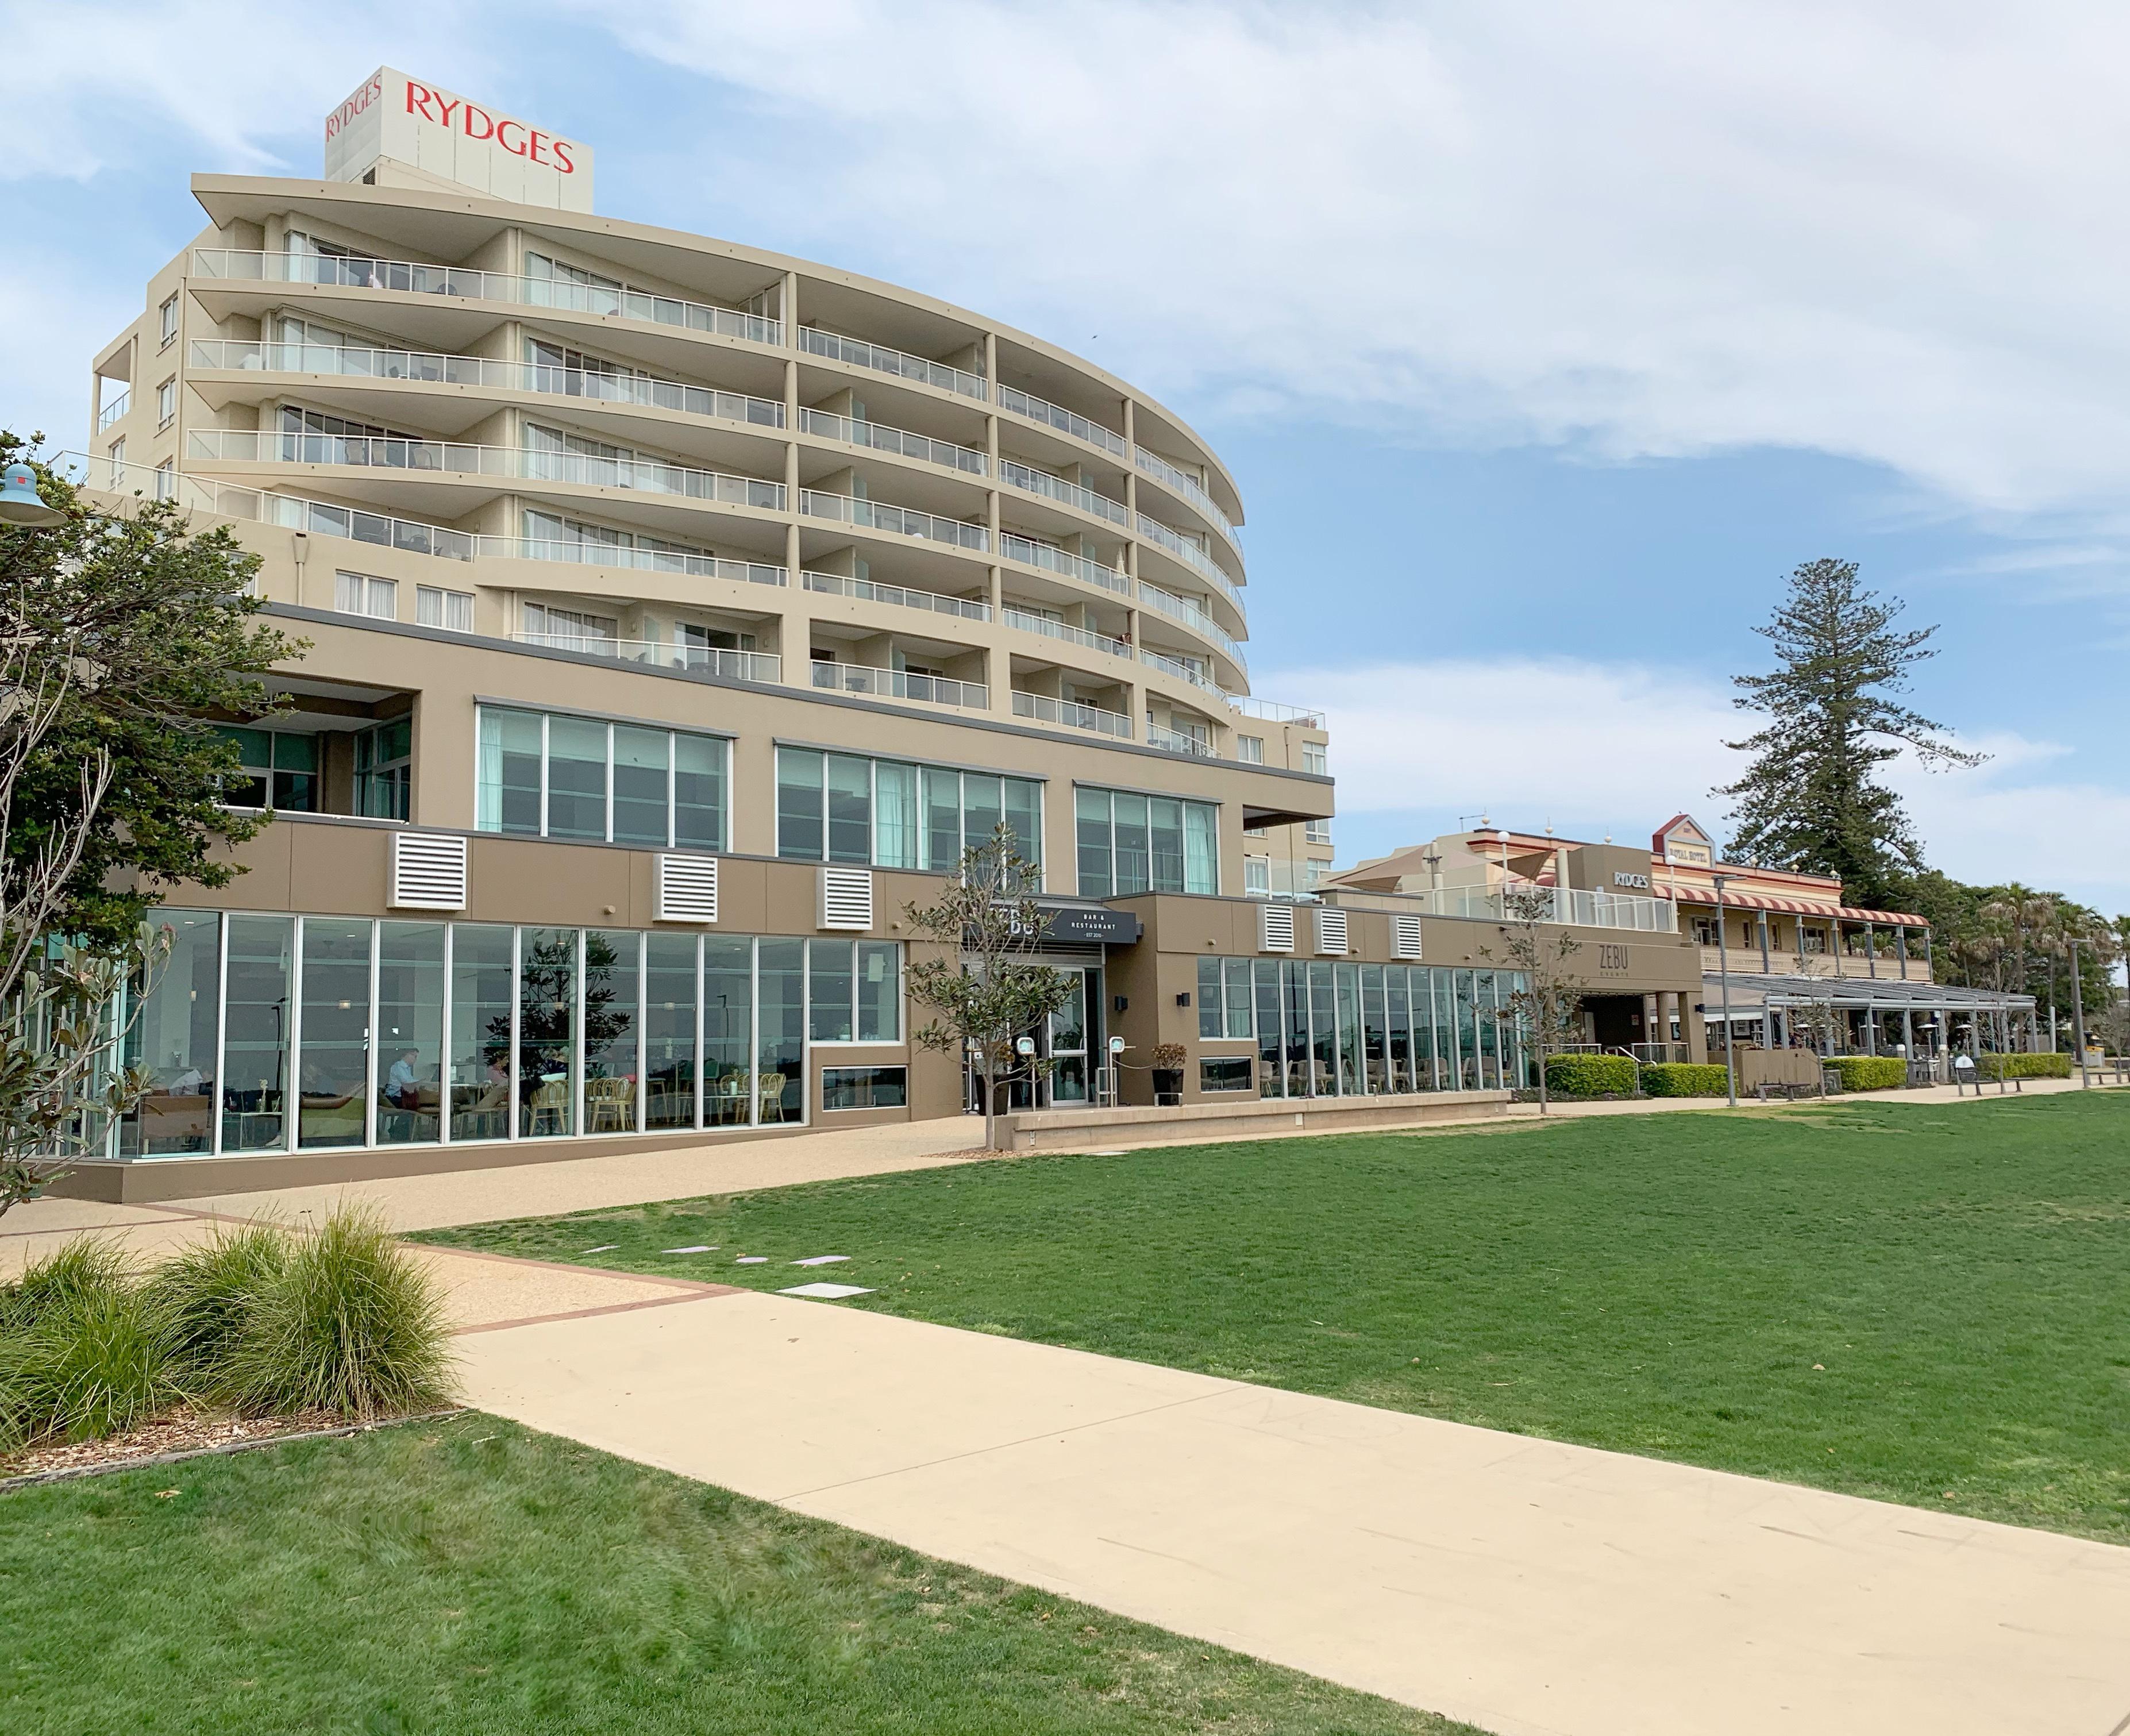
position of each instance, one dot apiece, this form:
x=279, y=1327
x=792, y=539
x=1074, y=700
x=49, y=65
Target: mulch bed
x=181, y=1434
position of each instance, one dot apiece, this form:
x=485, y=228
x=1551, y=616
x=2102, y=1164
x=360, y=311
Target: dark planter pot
x=1168, y=1085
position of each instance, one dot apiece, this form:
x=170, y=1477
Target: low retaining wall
x=1070, y=1130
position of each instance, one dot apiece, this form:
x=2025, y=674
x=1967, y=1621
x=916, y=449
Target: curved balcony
x=430, y=367
x=931, y=690
x=1050, y=629
x=744, y=665
x=1194, y=557
x=1182, y=671
x=856, y=352
x=1072, y=715
x=1029, y=552
x=1180, y=482
x=1063, y=421
x=414, y=278
x=1030, y=481
x=452, y=458
x=1169, y=742
x=902, y=521
x=878, y=437
x=1176, y=610
x=900, y=596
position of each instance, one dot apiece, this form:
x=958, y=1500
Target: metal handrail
x=1071, y=715
x=881, y=438
x=938, y=690
x=865, y=515
x=1031, y=480
x=745, y=666
x=837, y=584
x=1029, y=622
x=1193, y=557
x=1183, y=483
x=1029, y=552
x=882, y=359
x=1065, y=421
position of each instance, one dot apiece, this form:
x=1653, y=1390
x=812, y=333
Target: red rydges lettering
x=354, y=106
x=479, y=125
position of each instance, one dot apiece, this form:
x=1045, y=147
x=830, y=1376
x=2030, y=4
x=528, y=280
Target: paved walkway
x=1531, y=1588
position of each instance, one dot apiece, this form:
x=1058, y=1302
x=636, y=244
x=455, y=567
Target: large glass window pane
x=829, y=991
x=481, y=1044
x=895, y=814
x=1468, y=1033
x=1375, y=1031
x=699, y=791
x=1349, y=1031
x=1131, y=863
x=942, y=820
x=546, y=1031
x=1201, y=849
x=1323, y=1034
x=1238, y=973
x=1484, y=1012
x=507, y=799
x=879, y=991
x=850, y=808
x=781, y=1046
x=670, y=977
x=1166, y=842
x=1024, y=813
x=295, y=773
x=1090, y=826
x=799, y=831
x=613, y=1030
x=1398, y=998
x=1300, y=1059
x=576, y=778
x=410, y=1032
x=982, y=809
x=1211, y=1005
x=173, y=1039
x=335, y=1063
x=727, y=1031
x=640, y=785
x=1271, y=1071
x=256, y=1044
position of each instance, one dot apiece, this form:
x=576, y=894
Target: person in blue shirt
x=400, y=1084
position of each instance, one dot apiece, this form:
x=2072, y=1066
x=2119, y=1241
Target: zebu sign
x=443, y=134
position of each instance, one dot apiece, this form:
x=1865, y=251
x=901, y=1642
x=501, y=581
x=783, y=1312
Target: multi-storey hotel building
x=677, y=612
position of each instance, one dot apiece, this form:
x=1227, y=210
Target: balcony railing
x=458, y=458
x=1193, y=557
x=1042, y=623
x=113, y=410
x=1070, y=715
x=432, y=368
x=1196, y=618
x=1032, y=553
x=904, y=521
x=1308, y=716
x=1065, y=421
x=635, y=560
x=412, y=277
x=882, y=438
x=858, y=353
x=1549, y=904
x=1183, y=483
x=837, y=584
x=1057, y=488
x=932, y=689
x=1171, y=741
x=745, y=665
x=1182, y=671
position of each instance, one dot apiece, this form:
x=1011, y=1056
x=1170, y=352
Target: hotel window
x=544, y=775
x=578, y=288
x=1316, y=758
x=166, y=316
x=166, y=404
x=166, y=479
x=1131, y=843
x=357, y=593
x=1312, y=875
x=117, y=456
x=280, y=771
x=1225, y=1005
x=1257, y=877
x=452, y=610
x=1704, y=930
x=854, y=992
x=569, y=629
x=865, y=1088
x=383, y=770
x=1812, y=939
x=1249, y=749
x=848, y=807
x=1317, y=831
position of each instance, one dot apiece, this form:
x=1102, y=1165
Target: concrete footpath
x=1531, y=1588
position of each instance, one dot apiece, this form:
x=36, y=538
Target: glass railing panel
x=1057, y=488
x=1309, y=717
x=902, y=520
x=858, y=353
x=1042, y=623
x=1170, y=741
x=837, y=584
x=882, y=438
x=1177, y=610
x=1192, y=555
x=935, y=690
x=1182, y=671
x=745, y=666
x=1065, y=421
x=1071, y=715
x=113, y=410
x=1033, y=553
x=1183, y=483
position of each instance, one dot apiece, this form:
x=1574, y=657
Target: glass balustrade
x=1053, y=559
x=1065, y=421
x=935, y=690
x=902, y=520
x=1071, y=715
x=837, y=584
x=880, y=437
x=858, y=353
x=1057, y=488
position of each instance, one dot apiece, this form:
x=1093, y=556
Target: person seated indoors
x=403, y=1087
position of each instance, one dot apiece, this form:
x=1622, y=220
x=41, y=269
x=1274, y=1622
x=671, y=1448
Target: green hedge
x=1683, y=1079
x=2023, y=1066
x=1589, y=1075
x=1871, y=1072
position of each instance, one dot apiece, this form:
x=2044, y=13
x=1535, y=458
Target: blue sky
x=1543, y=340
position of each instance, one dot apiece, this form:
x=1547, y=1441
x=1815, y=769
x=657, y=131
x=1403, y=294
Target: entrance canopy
x=1752, y=992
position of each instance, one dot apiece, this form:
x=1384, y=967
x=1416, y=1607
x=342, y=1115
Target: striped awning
x=1797, y=906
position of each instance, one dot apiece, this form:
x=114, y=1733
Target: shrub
x=352, y=1323
x=1589, y=1075
x=1685, y=1078
x=67, y=1279
x=94, y=1364
x=2023, y=1066
x=207, y=1293
x=1871, y=1072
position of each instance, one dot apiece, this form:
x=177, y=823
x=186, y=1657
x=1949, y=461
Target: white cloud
x=1592, y=748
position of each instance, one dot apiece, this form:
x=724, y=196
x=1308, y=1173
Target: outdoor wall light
x=1183, y=1000
x=1120, y=1003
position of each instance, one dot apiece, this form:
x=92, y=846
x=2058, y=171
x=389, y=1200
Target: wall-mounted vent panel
x=1330, y=931
x=687, y=888
x=1405, y=937
x=1275, y=928
x=428, y=872
x=846, y=898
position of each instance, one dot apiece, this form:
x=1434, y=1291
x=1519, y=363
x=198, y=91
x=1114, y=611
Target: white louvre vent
x=687, y=888
x=428, y=872
x=1275, y=928
x=1330, y=931
x=1405, y=937
x=846, y=897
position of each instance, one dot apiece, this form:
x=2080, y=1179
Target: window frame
x=721, y=846
x=922, y=776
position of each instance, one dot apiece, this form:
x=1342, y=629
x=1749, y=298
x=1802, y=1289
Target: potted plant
x=1168, y=1059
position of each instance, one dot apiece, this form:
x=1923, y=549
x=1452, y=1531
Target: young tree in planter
x=1811, y=799
x=117, y=632
x=986, y=990
x=1538, y=949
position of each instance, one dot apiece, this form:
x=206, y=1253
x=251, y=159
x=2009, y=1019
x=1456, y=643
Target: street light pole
x=2078, y=1019
x=1723, y=966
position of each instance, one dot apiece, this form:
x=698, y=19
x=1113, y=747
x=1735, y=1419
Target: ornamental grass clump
x=351, y=1324
x=207, y=1295
x=84, y=1351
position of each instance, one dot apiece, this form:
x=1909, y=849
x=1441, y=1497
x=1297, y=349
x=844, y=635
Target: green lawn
x=1930, y=1305
x=472, y=1576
